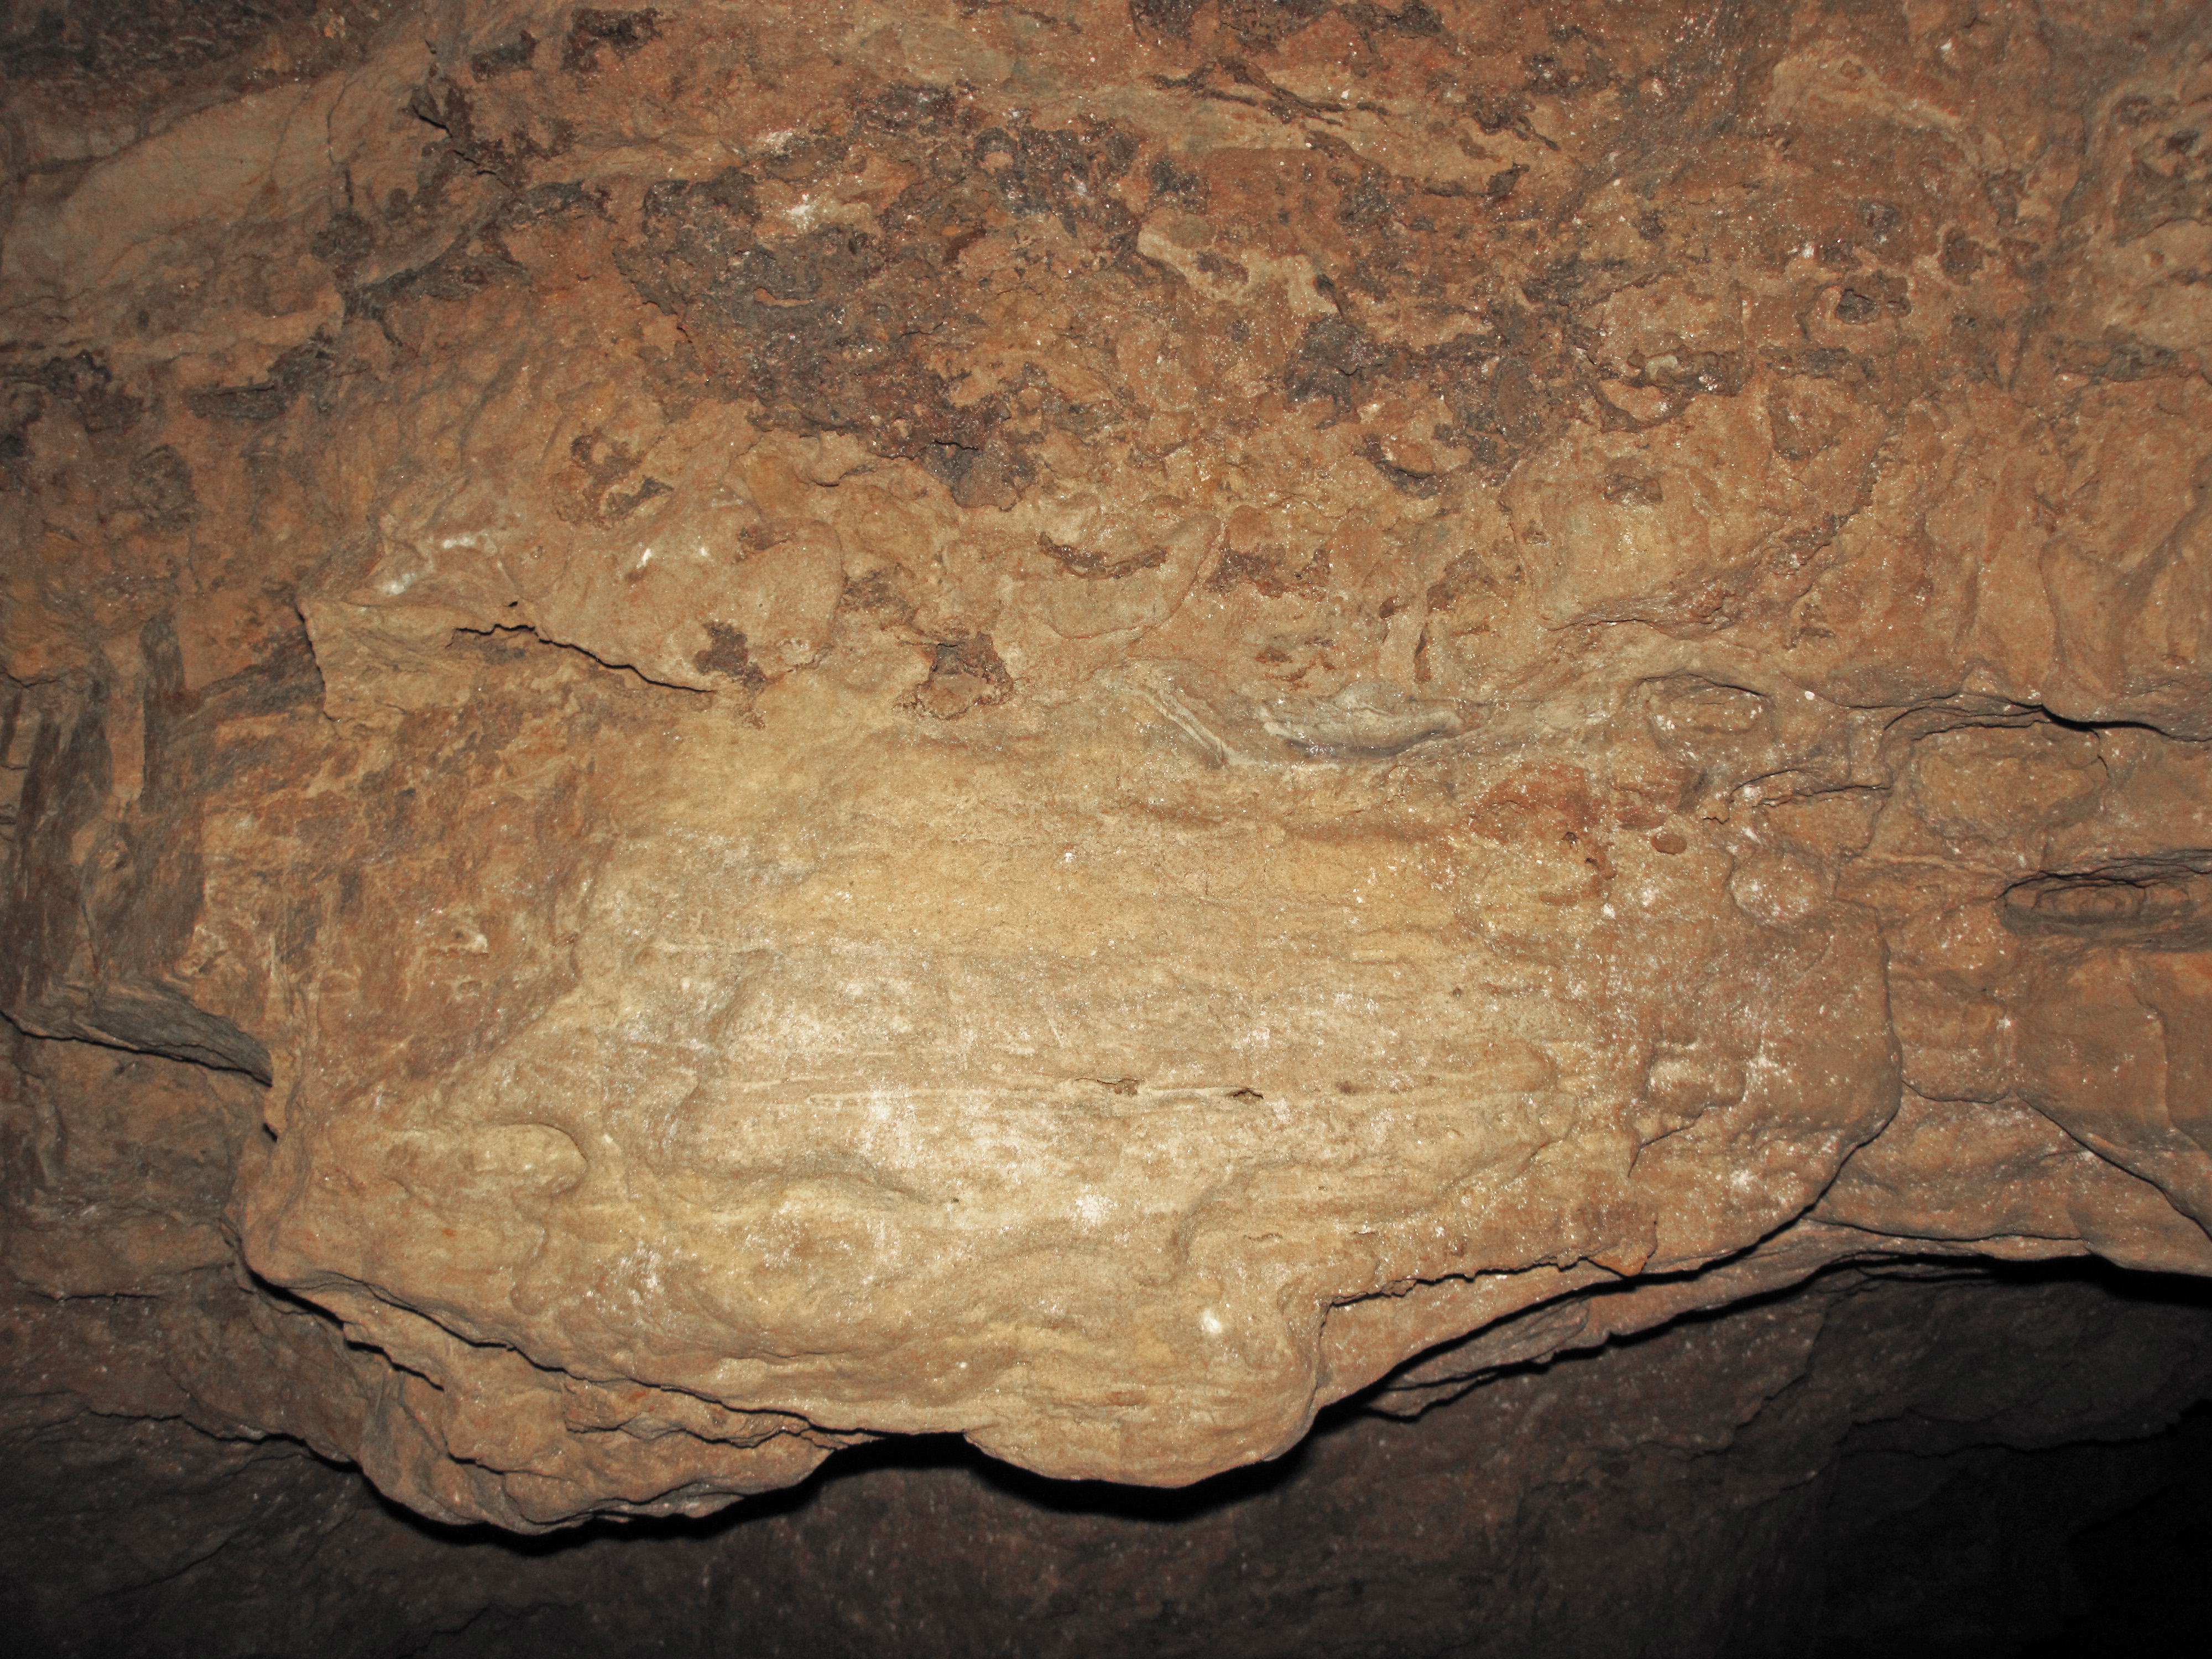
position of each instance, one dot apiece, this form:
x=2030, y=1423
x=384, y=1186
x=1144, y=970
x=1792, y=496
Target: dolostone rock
x=733, y=731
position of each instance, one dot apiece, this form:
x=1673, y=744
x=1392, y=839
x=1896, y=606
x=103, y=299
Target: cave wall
x=1920, y=1458
x=735, y=729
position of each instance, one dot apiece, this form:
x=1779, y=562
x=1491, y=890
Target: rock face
x=1883, y=1462
x=737, y=728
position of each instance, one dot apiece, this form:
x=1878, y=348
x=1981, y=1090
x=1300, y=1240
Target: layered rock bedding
x=736, y=728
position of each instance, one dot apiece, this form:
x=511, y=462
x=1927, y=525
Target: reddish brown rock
x=1075, y=724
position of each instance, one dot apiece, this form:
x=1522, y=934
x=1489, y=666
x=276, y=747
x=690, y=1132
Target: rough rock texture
x=740, y=727
x=1902, y=1462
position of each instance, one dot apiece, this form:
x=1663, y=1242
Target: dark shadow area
x=2138, y=1579
x=1991, y=1551
x=1905, y=1459
x=2125, y=1286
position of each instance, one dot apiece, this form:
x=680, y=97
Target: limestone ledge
x=733, y=728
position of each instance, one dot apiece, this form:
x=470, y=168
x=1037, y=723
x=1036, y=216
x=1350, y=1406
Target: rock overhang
x=900, y=726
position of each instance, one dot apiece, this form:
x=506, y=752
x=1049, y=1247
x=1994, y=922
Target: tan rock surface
x=1074, y=724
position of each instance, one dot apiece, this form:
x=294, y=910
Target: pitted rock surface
x=736, y=727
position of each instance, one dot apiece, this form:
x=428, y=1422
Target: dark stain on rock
x=1879, y=296
x=842, y=330
x=90, y=932
x=161, y=491
x=1163, y=17
x=463, y=269
x=821, y=330
x=148, y=53
x=66, y=777
x=606, y=463
x=726, y=655
x=1962, y=255
x=1626, y=488
x=16, y=440
x=964, y=674
x=594, y=26
x=474, y=261
x=1067, y=175
x=1857, y=309
x=878, y=596
x=1170, y=183
x=1815, y=363
x=1369, y=204
x=344, y=244
x=1500, y=414
x=1094, y=566
x=1467, y=574
x=1221, y=270
x=1272, y=576
x=1262, y=25
x=267, y=399
x=2118, y=356
x=506, y=58
x=619, y=505
x=1882, y=222
x=555, y=199
x=1335, y=359
x=1406, y=480
x=86, y=385
x=2151, y=197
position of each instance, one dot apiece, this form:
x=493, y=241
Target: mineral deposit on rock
x=739, y=726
